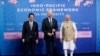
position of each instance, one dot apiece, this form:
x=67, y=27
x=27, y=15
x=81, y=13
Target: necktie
x=31, y=26
x=51, y=22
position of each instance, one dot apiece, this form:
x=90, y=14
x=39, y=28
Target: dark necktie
x=50, y=22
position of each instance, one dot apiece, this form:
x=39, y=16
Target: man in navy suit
x=49, y=27
x=30, y=34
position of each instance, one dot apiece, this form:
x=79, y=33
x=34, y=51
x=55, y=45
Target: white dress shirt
x=31, y=24
x=50, y=19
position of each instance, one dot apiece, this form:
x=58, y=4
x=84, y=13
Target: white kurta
x=68, y=44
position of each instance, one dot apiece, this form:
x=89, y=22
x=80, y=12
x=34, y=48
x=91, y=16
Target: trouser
x=51, y=43
x=30, y=46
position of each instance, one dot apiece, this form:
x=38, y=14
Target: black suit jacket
x=46, y=28
x=27, y=33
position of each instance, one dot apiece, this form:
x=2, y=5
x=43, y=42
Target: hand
x=53, y=30
x=36, y=41
x=23, y=40
x=49, y=34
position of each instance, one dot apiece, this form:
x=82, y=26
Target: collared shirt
x=50, y=19
x=31, y=24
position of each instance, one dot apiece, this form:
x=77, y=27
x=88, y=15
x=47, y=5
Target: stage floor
x=85, y=54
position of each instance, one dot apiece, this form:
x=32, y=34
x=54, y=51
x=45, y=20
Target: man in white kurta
x=68, y=34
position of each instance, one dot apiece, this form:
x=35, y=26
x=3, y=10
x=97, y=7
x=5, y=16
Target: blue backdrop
x=98, y=27
x=14, y=12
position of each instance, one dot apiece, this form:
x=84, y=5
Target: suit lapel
x=52, y=21
x=28, y=25
x=48, y=22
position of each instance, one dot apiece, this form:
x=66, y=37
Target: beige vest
x=68, y=32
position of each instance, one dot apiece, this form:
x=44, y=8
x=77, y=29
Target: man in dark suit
x=49, y=27
x=30, y=34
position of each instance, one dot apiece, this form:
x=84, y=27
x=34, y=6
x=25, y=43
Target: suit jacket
x=46, y=28
x=27, y=33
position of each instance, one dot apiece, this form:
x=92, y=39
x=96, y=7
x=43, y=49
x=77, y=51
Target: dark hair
x=30, y=14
